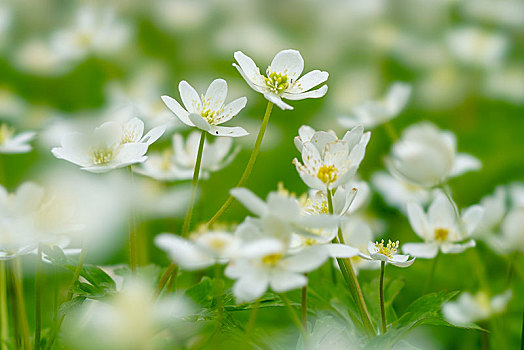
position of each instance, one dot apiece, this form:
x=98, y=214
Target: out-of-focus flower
x=182, y=15
x=11, y=143
x=282, y=78
x=442, y=87
x=397, y=192
x=39, y=57
x=470, y=308
x=129, y=320
x=440, y=228
x=328, y=161
x=494, y=211
x=506, y=84
x=201, y=250
x=208, y=112
x=503, y=12
x=512, y=230
x=110, y=146
x=373, y=113
x=12, y=107
x=388, y=253
x=357, y=233
x=94, y=30
x=6, y=16
x=477, y=47
x=427, y=156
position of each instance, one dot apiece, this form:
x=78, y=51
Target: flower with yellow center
x=387, y=253
x=470, y=308
x=11, y=143
x=282, y=78
x=208, y=111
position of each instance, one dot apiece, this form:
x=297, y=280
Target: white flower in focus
x=282, y=78
x=328, y=161
x=208, y=111
x=440, y=228
x=131, y=319
x=470, y=308
x=11, y=143
x=427, y=156
x=95, y=30
x=397, y=192
x=201, y=250
x=112, y=145
x=388, y=253
x=477, y=47
x=266, y=263
x=373, y=113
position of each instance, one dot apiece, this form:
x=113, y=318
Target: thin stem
x=391, y=131
x=249, y=166
x=252, y=317
x=294, y=316
x=304, y=306
x=431, y=275
x=194, y=184
x=511, y=268
x=18, y=286
x=164, y=279
x=38, y=297
x=132, y=231
x=4, y=324
x=382, y=310
x=76, y=275
x=219, y=296
x=351, y=279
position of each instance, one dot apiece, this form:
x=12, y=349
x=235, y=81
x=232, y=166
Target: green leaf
x=392, y=288
x=426, y=307
x=202, y=293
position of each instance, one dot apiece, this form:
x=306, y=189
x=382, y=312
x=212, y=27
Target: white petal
x=455, y=248
x=176, y=108
x=341, y=250
x=252, y=202
x=406, y=263
x=216, y=94
x=183, y=252
x=283, y=281
x=153, y=135
x=271, y=97
x=288, y=62
x=464, y=163
x=199, y=122
x=306, y=260
x=418, y=220
x=308, y=81
x=320, y=92
x=189, y=97
x=235, y=131
x=472, y=217
x=231, y=110
x=441, y=212
x=249, y=71
x=249, y=288
x=421, y=250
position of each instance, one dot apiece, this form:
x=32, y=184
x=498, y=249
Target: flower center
x=271, y=259
x=103, y=155
x=276, y=82
x=166, y=160
x=327, y=173
x=5, y=133
x=209, y=113
x=441, y=234
x=389, y=250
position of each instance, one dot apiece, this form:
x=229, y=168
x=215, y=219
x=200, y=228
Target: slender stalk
x=38, y=297
x=391, y=131
x=304, y=306
x=294, y=316
x=252, y=318
x=13, y=306
x=132, y=232
x=171, y=286
x=431, y=275
x=4, y=323
x=382, y=310
x=19, y=291
x=163, y=280
x=249, y=166
x=194, y=184
x=76, y=275
x=351, y=279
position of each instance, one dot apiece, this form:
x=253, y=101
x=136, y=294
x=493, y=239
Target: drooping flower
x=388, y=253
x=208, y=111
x=201, y=250
x=441, y=228
x=328, y=161
x=373, y=113
x=282, y=78
x=110, y=146
x=470, y=308
x=11, y=143
x=427, y=156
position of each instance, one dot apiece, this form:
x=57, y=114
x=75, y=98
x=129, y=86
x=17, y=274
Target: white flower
x=506, y=84
x=110, y=146
x=282, y=78
x=328, y=161
x=201, y=250
x=397, y=192
x=373, y=113
x=131, y=319
x=11, y=143
x=377, y=251
x=357, y=233
x=94, y=30
x=440, y=228
x=427, y=156
x=512, y=229
x=208, y=111
x=266, y=263
x=477, y=47
x=470, y=308
x=495, y=209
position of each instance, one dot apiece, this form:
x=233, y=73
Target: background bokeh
x=464, y=60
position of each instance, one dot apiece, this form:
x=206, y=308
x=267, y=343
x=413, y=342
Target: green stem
x=76, y=275
x=431, y=275
x=18, y=286
x=38, y=297
x=294, y=316
x=391, y=131
x=249, y=166
x=4, y=324
x=252, y=318
x=304, y=306
x=382, y=310
x=132, y=231
x=348, y=273
x=219, y=296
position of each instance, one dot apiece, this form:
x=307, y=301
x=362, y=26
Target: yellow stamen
x=276, y=82
x=327, y=173
x=272, y=259
x=441, y=234
x=389, y=250
x=5, y=133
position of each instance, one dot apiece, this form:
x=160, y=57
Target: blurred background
x=70, y=65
